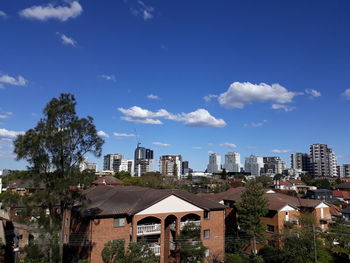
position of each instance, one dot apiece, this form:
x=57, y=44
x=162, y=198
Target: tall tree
x=54, y=148
x=252, y=206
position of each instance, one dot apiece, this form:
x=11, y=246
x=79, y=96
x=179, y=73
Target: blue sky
x=187, y=77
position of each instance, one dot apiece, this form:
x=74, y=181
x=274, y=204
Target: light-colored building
x=85, y=165
x=214, y=165
x=143, y=160
x=125, y=165
x=322, y=161
x=232, y=162
x=300, y=161
x=253, y=165
x=170, y=165
x=343, y=170
x=108, y=160
x=274, y=165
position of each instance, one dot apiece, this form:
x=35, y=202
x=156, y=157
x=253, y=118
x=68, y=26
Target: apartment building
x=109, y=159
x=232, y=162
x=143, y=160
x=124, y=165
x=214, y=164
x=170, y=165
x=300, y=161
x=274, y=165
x=253, y=165
x=343, y=171
x=131, y=213
x=322, y=161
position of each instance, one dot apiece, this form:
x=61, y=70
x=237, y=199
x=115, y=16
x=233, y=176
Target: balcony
x=172, y=245
x=155, y=248
x=152, y=229
x=192, y=222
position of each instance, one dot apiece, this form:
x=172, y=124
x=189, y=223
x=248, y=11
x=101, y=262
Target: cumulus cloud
x=209, y=97
x=2, y=14
x=255, y=124
x=280, y=151
x=143, y=10
x=153, y=97
x=346, y=94
x=108, y=77
x=123, y=134
x=102, y=134
x=241, y=93
x=313, y=93
x=62, y=13
x=285, y=108
x=6, y=134
x=9, y=80
x=161, y=144
x=5, y=115
x=198, y=118
x=67, y=40
x=228, y=145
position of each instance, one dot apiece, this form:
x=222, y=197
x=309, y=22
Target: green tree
x=265, y=180
x=53, y=149
x=277, y=177
x=122, y=174
x=306, y=178
x=322, y=184
x=252, y=206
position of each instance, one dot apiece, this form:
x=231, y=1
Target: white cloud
x=62, y=13
x=67, y=40
x=209, y=97
x=346, y=94
x=9, y=134
x=198, y=118
x=2, y=14
x=102, y=134
x=280, y=151
x=254, y=124
x=242, y=93
x=228, y=145
x=161, y=144
x=313, y=93
x=153, y=97
x=124, y=134
x=5, y=115
x=197, y=148
x=6, y=79
x=143, y=10
x=108, y=77
x=286, y=108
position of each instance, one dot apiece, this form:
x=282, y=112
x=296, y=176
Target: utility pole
x=315, y=249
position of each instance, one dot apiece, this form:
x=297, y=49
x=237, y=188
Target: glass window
x=119, y=222
x=206, y=214
x=270, y=228
x=207, y=234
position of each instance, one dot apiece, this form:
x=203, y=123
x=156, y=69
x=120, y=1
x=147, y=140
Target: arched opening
x=190, y=219
x=149, y=229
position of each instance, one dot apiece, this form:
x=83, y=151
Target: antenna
x=137, y=138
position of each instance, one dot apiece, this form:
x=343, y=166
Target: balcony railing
x=148, y=229
x=155, y=249
x=172, y=245
x=173, y=226
x=196, y=223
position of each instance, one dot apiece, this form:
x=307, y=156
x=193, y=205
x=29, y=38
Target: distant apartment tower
x=185, y=168
x=274, y=165
x=143, y=160
x=322, y=161
x=85, y=165
x=232, y=162
x=108, y=161
x=253, y=165
x=214, y=165
x=343, y=170
x=300, y=161
x=170, y=165
x=123, y=165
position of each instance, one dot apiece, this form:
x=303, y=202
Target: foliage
x=271, y=254
x=191, y=246
x=278, y=177
x=240, y=176
x=265, y=180
x=236, y=258
x=322, y=184
x=306, y=178
x=122, y=174
x=137, y=252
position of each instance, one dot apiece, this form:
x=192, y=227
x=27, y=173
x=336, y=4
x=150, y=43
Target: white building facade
x=170, y=165
x=232, y=162
x=214, y=165
x=253, y=165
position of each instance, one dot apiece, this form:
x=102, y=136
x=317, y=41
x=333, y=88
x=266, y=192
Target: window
x=286, y=213
x=206, y=214
x=207, y=253
x=270, y=228
x=119, y=222
x=206, y=234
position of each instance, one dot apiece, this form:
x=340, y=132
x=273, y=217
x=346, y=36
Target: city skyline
x=187, y=78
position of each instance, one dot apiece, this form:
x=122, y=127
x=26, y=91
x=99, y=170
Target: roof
x=343, y=186
x=28, y=184
x=320, y=191
x=107, y=180
x=335, y=210
x=276, y=200
x=296, y=182
x=129, y=200
x=341, y=194
x=346, y=210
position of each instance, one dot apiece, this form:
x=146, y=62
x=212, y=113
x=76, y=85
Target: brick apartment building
x=131, y=213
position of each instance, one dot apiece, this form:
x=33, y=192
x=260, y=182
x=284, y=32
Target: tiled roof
x=27, y=184
x=113, y=200
x=341, y=194
x=343, y=186
x=107, y=180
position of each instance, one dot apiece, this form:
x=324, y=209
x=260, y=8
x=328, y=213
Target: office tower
x=300, y=161
x=323, y=162
x=253, y=165
x=123, y=165
x=185, y=168
x=232, y=162
x=170, y=165
x=214, y=165
x=109, y=159
x=274, y=165
x=143, y=160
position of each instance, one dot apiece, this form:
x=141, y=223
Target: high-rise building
x=170, y=165
x=274, y=165
x=143, y=160
x=85, y=165
x=323, y=162
x=125, y=165
x=214, y=165
x=109, y=159
x=300, y=161
x=185, y=167
x=253, y=165
x=232, y=162
x=343, y=170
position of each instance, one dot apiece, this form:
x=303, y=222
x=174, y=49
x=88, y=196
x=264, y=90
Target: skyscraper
x=143, y=160
x=322, y=161
x=214, y=165
x=170, y=165
x=109, y=159
x=253, y=165
x=274, y=165
x=232, y=162
x=300, y=161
